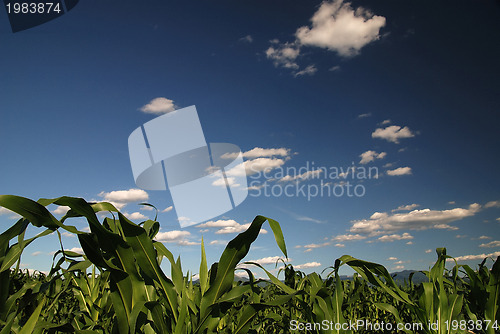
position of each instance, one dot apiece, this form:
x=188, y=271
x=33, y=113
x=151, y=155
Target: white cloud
x=337, y=27
x=339, y=245
x=268, y=260
x=61, y=210
x=392, y=258
x=301, y=177
x=309, y=70
x=313, y=246
x=219, y=223
x=394, y=237
x=349, y=237
x=380, y=222
x=428, y=250
x=218, y=242
x=334, y=68
x=237, y=229
x=399, y=171
x=259, y=152
x=474, y=257
x=284, y=55
x=120, y=198
x=483, y=237
x=36, y=253
x=256, y=166
x=406, y=207
x=398, y=267
x=176, y=236
x=492, y=204
x=364, y=115
x=13, y=215
x=491, y=244
x=387, y=121
x=307, y=265
x=168, y=209
x=68, y=234
x=370, y=156
x=76, y=250
x=159, y=105
x=135, y=216
x=393, y=133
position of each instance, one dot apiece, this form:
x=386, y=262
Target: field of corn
x=117, y=286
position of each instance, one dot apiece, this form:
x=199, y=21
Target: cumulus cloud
x=406, y=207
x=284, y=55
x=492, y=204
x=475, y=257
x=168, y=209
x=348, y=237
x=381, y=223
x=393, y=133
x=159, y=105
x=336, y=26
x=226, y=226
x=491, y=244
x=399, y=171
x=268, y=260
x=370, y=156
x=135, y=216
x=120, y=198
x=307, y=265
x=394, y=237
x=13, y=215
x=176, y=236
x=61, y=210
x=301, y=177
x=259, y=152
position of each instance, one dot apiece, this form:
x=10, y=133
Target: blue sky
x=408, y=88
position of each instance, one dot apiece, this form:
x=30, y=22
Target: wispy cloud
x=406, y=207
x=247, y=39
x=491, y=244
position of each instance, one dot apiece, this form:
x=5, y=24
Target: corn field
x=117, y=286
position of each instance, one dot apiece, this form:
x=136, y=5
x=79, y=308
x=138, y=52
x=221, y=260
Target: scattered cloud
x=387, y=121
x=309, y=70
x=406, y=207
x=307, y=265
x=335, y=68
x=474, y=257
x=247, y=39
x=159, y=105
x=335, y=26
x=398, y=267
x=218, y=223
x=256, y=166
x=349, y=237
x=76, y=250
x=364, y=115
x=394, y=237
x=492, y=204
x=380, y=222
x=61, y=210
x=36, y=253
x=393, y=133
x=68, y=234
x=301, y=177
x=176, y=236
x=13, y=215
x=312, y=246
x=491, y=244
x=399, y=171
x=120, y=198
x=259, y=152
x=339, y=245
x=284, y=55
x=483, y=237
x=370, y=156
x=226, y=226
x=135, y=216
x=428, y=251
x=338, y=27
x=268, y=260
x=168, y=209
x=392, y=258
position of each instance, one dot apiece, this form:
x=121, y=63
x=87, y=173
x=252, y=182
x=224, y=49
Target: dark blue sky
x=71, y=90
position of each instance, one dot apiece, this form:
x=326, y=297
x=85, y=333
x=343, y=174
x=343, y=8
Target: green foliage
x=118, y=286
